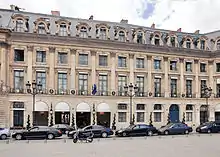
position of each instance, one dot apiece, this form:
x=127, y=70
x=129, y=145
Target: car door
x=135, y=131
x=97, y=130
x=175, y=129
x=32, y=133
x=87, y=130
x=143, y=130
x=218, y=126
x=214, y=127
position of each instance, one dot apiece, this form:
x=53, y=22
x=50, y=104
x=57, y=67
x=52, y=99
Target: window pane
x=140, y=116
x=122, y=116
x=18, y=80
x=41, y=78
x=83, y=59
x=157, y=116
x=18, y=118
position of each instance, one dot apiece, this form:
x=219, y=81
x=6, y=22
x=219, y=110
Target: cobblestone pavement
x=157, y=146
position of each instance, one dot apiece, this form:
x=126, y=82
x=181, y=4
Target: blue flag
x=94, y=89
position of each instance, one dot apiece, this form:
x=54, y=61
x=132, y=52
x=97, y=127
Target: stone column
x=149, y=74
x=73, y=68
x=166, y=77
x=211, y=73
x=182, y=87
x=196, y=82
x=197, y=114
x=113, y=68
x=30, y=49
x=52, y=66
x=93, y=65
x=131, y=68
x=3, y=51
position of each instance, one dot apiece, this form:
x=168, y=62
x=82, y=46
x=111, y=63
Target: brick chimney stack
x=55, y=13
x=153, y=25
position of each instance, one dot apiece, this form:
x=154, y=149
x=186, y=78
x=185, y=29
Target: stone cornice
x=106, y=44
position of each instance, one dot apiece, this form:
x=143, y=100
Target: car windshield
x=207, y=123
x=169, y=125
x=131, y=126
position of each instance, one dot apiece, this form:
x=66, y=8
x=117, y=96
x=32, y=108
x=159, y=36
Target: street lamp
x=206, y=93
x=33, y=89
x=51, y=115
x=130, y=91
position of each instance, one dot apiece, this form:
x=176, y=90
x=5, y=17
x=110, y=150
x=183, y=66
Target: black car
x=64, y=128
x=137, y=130
x=209, y=127
x=97, y=130
x=175, y=128
x=41, y=132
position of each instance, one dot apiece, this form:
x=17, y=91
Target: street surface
x=194, y=145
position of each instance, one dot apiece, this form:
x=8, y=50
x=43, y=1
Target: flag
x=94, y=89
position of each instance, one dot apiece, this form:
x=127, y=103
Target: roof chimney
x=153, y=25
x=179, y=30
x=124, y=21
x=197, y=31
x=55, y=13
x=91, y=17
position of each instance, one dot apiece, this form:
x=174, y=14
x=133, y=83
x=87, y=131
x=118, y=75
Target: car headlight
x=13, y=133
x=120, y=131
x=204, y=127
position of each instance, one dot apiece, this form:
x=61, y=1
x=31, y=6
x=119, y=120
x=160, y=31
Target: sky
x=190, y=15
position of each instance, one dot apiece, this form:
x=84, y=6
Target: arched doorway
x=217, y=112
x=62, y=113
x=83, y=115
x=103, y=114
x=203, y=114
x=40, y=114
x=174, y=113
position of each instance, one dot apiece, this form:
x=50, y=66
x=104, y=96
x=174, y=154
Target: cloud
x=189, y=15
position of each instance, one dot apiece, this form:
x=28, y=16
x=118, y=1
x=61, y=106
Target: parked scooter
x=82, y=137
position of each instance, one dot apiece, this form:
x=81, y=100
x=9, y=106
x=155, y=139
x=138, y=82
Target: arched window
x=140, y=37
x=63, y=29
x=121, y=36
x=41, y=28
x=188, y=43
x=218, y=45
x=157, y=40
x=157, y=113
x=189, y=113
x=103, y=33
x=83, y=32
x=202, y=44
x=173, y=41
x=19, y=26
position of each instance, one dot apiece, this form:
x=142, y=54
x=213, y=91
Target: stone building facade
x=70, y=57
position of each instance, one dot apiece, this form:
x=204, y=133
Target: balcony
x=175, y=95
x=17, y=90
x=190, y=95
x=158, y=94
x=142, y=94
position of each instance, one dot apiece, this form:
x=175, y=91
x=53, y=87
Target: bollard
x=98, y=139
x=131, y=138
x=64, y=140
x=114, y=138
x=45, y=141
x=172, y=136
x=28, y=141
x=159, y=137
x=7, y=142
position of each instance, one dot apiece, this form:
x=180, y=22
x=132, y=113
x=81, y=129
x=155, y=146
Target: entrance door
x=41, y=118
x=83, y=119
x=103, y=118
x=217, y=116
x=174, y=113
x=62, y=118
x=203, y=114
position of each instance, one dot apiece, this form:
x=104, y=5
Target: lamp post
x=51, y=115
x=33, y=89
x=206, y=93
x=130, y=91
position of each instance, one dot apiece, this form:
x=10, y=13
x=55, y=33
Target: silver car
x=4, y=133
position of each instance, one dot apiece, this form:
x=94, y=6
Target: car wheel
x=104, y=135
x=3, y=136
x=18, y=137
x=150, y=133
x=124, y=134
x=209, y=131
x=166, y=132
x=50, y=136
x=186, y=132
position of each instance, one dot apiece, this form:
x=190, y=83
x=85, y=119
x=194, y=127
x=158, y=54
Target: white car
x=4, y=133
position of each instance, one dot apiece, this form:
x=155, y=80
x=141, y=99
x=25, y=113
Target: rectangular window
x=140, y=107
x=19, y=80
x=140, y=117
x=103, y=84
x=41, y=56
x=202, y=45
x=62, y=58
x=157, y=116
x=139, y=62
x=18, y=55
x=140, y=84
x=202, y=84
x=83, y=84
x=19, y=27
x=188, y=67
x=157, y=87
x=157, y=64
x=217, y=90
x=173, y=87
x=122, y=116
x=189, y=116
x=173, y=65
x=63, y=30
x=103, y=60
x=18, y=118
x=217, y=67
x=83, y=59
x=202, y=67
x=188, y=88
x=41, y=78
x=122, y=106
x=62, y=83
x=122, y=62
x=122, y=80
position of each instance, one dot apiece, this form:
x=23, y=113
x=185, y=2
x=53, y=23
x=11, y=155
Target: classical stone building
x=71, y=57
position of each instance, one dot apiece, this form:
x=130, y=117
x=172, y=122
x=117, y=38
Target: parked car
x=97, y=130
x=137, y=130
x=4, y=133
x=64, y=128
x=175, y=128
x=41, y=132
x=209, y=127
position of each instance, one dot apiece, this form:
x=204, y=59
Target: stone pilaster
x=196, y=82
x=166, y=77
x=131, y=68
x=30, y=52
x=73, y=68
x=149, y=74
x=52, y=65
x=93, y=65
x=113, y=68
x=182, y=84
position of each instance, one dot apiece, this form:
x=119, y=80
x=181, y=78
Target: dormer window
x=140, y=37
x=218, y=45
x=202, y=44
x=63, y=29
x=172, y=41
x=188, y=43
x=19, y=27
x=157, y=40
x=102, y=33
x=121, y=36
x=41, y=28
x=83, y=32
